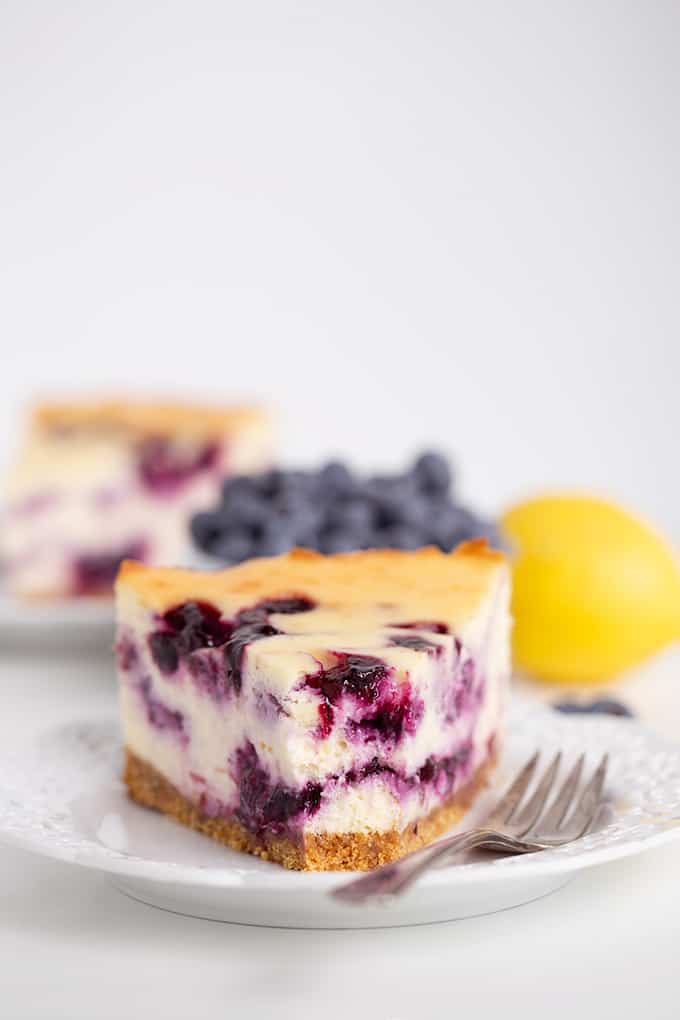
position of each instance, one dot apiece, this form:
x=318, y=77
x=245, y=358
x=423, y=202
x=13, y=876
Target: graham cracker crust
x=339, y=851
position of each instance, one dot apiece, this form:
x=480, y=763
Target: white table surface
x=72, y=947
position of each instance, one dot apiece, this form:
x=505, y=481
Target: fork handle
x=397, y=876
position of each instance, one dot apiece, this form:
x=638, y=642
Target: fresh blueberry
x=290, y=503
x=414, y=512
x=374, y=538
x=271, y=483
x=284, y=485
x=238, y=485
x=571, y=708
x=389, y=487
x=401, y=536
x=336, y=476
x=274, y=538
x=354, y=515
x=334, y=540
x=432, y=473
x=306, y=525
x=393, y=500
x=304, y=483
x=601, y=706
x=233, y=547
x=206, y=527
x=448, y=524
x=609, y=706
x=244, y=509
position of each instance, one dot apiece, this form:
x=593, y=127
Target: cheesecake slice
x=325, y=712
x=98, y=482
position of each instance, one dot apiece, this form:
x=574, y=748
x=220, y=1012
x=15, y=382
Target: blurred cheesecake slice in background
x=98, y=481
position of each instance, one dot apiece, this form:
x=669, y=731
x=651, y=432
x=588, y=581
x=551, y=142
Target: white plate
x=63, y=799
x=82, y=612
x=61, y=620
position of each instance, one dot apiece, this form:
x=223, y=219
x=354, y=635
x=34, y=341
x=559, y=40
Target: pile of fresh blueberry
x=333, y=510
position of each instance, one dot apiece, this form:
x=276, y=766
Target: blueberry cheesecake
x=324, y=712
x=96, y=482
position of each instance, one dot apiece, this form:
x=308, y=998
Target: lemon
x=595, y=589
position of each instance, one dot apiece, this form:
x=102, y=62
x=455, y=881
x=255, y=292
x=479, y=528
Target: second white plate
x=58, y=619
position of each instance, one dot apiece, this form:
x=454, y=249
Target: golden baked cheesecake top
x=140, y=418
x=432, y=582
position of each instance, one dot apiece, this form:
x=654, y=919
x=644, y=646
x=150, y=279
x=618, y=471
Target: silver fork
x=508, y=828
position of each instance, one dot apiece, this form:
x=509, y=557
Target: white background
x=398, y=223
x=438, y=223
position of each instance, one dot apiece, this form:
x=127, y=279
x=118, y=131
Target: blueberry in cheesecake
x=96, y=482
x=324, y=712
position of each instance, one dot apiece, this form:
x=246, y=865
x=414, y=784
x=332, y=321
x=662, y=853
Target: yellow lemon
x=596, y=589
